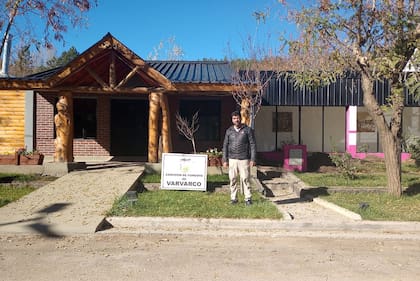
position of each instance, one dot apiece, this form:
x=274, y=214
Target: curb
x=299, y=186
x=338, y=209
x=262, y=228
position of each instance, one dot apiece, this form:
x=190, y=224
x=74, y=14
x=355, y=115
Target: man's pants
x=241, y=168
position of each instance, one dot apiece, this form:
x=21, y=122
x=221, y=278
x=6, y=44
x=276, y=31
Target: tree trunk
x=392, y=151
x=389, y=134
x=166, y=124
x=154, y=107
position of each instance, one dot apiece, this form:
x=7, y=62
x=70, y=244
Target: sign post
x=184, y=172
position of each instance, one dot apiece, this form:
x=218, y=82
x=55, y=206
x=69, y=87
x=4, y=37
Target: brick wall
x=44, y=123
x=81, y=147
x=101, y=145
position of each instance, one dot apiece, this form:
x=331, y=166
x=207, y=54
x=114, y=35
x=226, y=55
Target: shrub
x=345, y=164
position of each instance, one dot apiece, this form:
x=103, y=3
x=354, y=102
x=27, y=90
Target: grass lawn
x=370, y=205
x=362, y=180
x=199, y=204
x=379, y=206
x=22, y=185
x=8, y=193
x=370, y=174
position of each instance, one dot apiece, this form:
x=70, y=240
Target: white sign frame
x=184, y=172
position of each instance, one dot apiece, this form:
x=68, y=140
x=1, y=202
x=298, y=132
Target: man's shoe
x=248, y=202
x=233, y=202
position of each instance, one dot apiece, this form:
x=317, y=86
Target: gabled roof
x=214, y=72
x=109, y=66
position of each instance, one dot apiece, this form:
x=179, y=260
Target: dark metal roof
x=214, y=72
x=44, y=74
x=281, y=90
x=345, y=91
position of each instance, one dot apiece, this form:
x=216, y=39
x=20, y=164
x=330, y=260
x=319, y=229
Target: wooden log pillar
x=154, y=111
x=63, y=121
x=245, y=112
x=166, y=124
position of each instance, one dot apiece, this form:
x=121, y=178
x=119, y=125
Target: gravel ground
x=190, y=257
x=50, y=236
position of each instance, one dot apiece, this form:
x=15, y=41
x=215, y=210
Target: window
x=208, y=117
x=84, y=118
x=284, y=122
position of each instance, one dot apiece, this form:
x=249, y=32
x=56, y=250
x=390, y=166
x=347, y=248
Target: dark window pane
x=84, y=118
x=208, y=117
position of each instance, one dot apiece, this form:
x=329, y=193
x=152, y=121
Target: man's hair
x=235, y=113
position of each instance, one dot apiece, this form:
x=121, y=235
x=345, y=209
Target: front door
x=129, y=127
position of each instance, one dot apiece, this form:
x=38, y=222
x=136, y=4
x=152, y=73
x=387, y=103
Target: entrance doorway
x=129, y=127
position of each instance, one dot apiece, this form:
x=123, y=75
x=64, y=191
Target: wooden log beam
x=112, y=74
x=166, y=124
x=98, y=90
x=104, y=44
x=63, y=121
x=225, y=89
x=20, y=84
x=154, y=108
x=97, y=78
x=128, y=77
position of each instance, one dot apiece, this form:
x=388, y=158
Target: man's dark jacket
x=239, y=145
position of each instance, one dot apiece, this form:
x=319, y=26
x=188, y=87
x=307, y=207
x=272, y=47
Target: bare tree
x=19, y=17
x=251, y=78
x=253, y=73
x=188, y=129
x=167, y=49
x=373, y=38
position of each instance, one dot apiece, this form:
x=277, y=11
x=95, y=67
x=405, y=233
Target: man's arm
x=252, y=145
x=225, y=156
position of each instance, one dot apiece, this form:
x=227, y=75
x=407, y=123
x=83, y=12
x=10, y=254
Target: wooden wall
x=12, y=120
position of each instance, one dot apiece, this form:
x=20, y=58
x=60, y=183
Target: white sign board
x=295, y=157
x=184, y=171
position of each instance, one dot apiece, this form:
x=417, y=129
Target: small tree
x=167, y=49
x=252, y=74
x=188, y=129
x=19, y=17
x=63, y=59
x=24, y=63
x=250, y=80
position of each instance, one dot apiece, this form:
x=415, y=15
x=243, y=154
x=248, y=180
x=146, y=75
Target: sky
x=211, y=29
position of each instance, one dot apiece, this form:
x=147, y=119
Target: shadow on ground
x=412, y=190
x=38, y=225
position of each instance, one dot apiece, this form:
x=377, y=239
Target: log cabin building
x=116, y=105
x=109, y=103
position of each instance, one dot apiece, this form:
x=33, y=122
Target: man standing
x=239, y=152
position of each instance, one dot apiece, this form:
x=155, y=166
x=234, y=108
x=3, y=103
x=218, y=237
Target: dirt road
x=156, y=257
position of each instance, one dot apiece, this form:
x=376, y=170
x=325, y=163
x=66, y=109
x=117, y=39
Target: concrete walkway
x=74, y=203
x=284, y=189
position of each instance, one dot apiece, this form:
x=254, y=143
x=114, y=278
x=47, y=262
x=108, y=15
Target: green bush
x=345, y=164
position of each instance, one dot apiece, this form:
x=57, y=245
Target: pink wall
x=351, y=137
